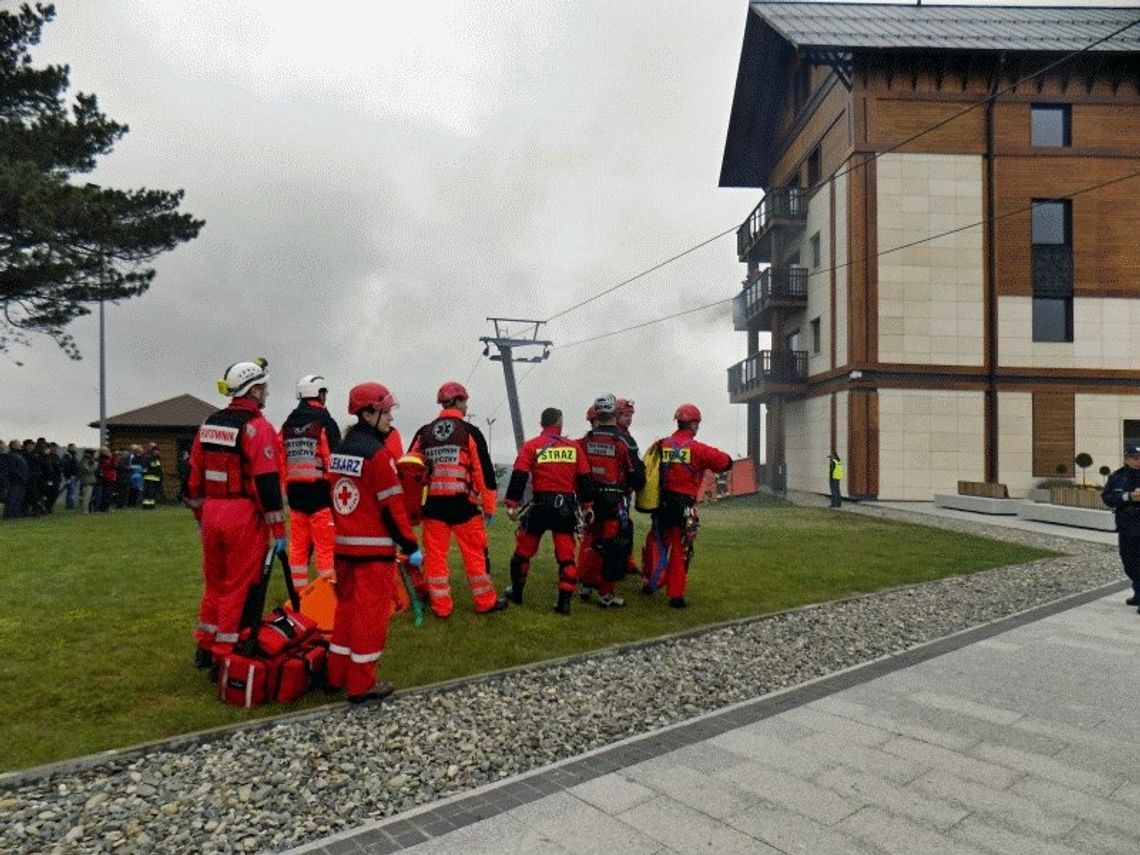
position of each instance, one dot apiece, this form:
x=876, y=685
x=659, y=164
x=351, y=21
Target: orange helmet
x=367, y=395
x=687, y=413
x=449, y=391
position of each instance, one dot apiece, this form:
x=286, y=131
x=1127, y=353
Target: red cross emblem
x=346, y=496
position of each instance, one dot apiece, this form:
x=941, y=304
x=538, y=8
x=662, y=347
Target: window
x=1051, y=236
x=813, y=167
x=793, y=340
x=1131, y=432
x=1050, y=126
x=815, y=336
x=815, y=257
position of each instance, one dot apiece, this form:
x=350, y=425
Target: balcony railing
x=767, y=371
x=775, y=287
x=779, y=204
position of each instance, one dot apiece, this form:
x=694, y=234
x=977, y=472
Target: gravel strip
x=267, y=789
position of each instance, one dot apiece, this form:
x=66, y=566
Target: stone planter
x=1076, y=497
x=1038, y=494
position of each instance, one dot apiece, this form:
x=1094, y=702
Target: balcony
x=780, y=206
x=776, y=288
x=767, y=373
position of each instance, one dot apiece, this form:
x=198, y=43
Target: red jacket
x=611, y=465
x=553, y=463
x=237, y=454
x=367, y=500
x=684, y=461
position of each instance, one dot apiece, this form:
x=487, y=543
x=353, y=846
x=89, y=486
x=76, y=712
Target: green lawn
x=96, y=632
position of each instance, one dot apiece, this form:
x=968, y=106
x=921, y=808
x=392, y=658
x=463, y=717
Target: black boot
x=518, y=581
x=563, y=604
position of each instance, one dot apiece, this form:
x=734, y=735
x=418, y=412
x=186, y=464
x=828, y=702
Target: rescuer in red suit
x=308, y=435
x=669, y=543
x=559, y=474
x=371, y=521
x=604, y=554
x=234, y=489
x=624, y=420
x=460, y=501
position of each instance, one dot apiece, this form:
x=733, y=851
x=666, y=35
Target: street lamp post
x=490, y=434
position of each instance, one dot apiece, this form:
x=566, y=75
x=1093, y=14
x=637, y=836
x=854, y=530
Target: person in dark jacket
x=70, y=464
x=1122, y=494
x=53, y=476
x=34, y=488
x=17, y=471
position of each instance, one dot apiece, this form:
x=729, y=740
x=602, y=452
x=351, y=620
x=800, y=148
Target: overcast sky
x=378, y=178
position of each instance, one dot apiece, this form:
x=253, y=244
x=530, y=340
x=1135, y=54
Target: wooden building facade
x=945, y=262
x=169, y=424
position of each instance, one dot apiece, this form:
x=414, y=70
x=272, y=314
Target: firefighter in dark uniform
x=1122, y=494
x=559, y=474
x=152, y=477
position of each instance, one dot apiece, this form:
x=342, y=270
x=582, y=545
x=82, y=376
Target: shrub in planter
x=1076, y=497
x=1083, y=461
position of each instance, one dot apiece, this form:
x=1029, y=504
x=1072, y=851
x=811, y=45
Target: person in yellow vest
x=834, y=476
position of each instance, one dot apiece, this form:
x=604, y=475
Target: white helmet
x=605, y=405
x=311, y=386
x=240, y=377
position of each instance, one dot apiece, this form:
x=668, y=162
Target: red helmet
x=449, y=391
x=591, y=414
x=687, y=413
x=366, y=395
x=624, y=407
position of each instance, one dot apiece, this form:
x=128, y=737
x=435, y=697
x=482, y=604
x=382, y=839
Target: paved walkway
x=1022, y=736
x=928, y=508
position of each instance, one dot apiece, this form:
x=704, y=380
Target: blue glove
x=279, y=547
x=416, y=558
x=488, y=518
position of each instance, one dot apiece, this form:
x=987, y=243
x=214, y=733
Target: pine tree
x=66, y=245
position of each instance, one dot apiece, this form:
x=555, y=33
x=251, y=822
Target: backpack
x=648, y=498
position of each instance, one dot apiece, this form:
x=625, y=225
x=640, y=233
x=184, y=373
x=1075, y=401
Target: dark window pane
x=1049, y=126
x=1131, y=432
x=1052, y=271
x=1052, y=319
x=1050, y=223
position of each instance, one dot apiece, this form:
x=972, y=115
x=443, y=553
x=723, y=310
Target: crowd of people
x=36, y=474
x=354, y=502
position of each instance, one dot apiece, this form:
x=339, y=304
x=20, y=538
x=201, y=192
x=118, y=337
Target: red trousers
x=590, y=560
x=526, y=545
x=305, y=529
x=663, y=560
x=360, y=628
x=234, y=540
x=471, y=536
